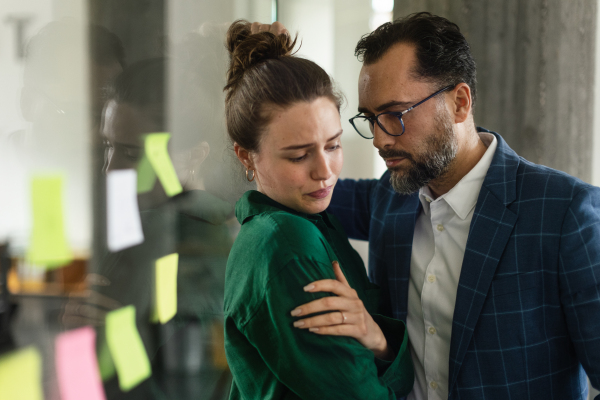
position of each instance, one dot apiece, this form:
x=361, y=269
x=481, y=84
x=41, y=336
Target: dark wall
x=535, y=65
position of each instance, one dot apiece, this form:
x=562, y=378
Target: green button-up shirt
x=277, y=252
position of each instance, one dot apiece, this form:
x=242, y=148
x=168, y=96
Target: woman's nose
x=321, y=170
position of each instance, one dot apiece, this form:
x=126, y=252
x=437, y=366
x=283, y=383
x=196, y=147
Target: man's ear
x=461, y=104
x=199, y=153
x=243, y=155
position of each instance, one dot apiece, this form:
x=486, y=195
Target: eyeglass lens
x=390, y=123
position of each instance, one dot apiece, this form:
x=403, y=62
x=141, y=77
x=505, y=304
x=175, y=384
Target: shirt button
x=433, y=385
x=432, y=330
x=431, y=278
x=440, y=227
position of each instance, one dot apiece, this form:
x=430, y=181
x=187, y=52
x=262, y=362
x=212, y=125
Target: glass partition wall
x=118, y=186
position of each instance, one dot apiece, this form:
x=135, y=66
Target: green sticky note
x=145, y=176
x=155, y=146
x=166, y=287
x=21, y=375
x=126, y=348
x=48, y=241
x=105, y=363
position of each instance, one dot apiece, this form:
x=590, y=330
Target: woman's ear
x=199, y=153
x=243, y=155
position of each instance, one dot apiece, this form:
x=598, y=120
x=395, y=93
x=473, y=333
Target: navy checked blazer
x=527, y=317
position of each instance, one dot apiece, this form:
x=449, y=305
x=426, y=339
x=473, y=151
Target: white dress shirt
x=438, y=250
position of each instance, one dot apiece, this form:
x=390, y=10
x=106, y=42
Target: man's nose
x=382, y=140
x=321, y=170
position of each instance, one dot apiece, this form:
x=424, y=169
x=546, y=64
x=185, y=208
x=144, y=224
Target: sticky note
x=105, y=362
x=21, y=375
x=166, y=287
x=48, y=241
x=155, y=146
x=145, y=175
x=126, y=348
x=77, y=366
x=124, y=227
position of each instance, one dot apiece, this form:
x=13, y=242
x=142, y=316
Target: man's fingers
x=332, y=318
x=254, y=28
x=339, y=274
x=277, y=28
x=326, y=304
x=331, y=286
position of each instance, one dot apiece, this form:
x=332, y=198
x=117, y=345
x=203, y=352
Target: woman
x=283, y=118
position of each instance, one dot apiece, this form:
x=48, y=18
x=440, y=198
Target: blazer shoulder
x=539, y=181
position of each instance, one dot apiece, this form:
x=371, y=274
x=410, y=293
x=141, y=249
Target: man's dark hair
x=443, y=54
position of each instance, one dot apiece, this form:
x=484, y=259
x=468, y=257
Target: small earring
x=253, y=175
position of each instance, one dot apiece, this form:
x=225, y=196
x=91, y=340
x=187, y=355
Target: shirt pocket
x=515, y=283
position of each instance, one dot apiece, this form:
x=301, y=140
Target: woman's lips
x=390, y=163
x=320, y=194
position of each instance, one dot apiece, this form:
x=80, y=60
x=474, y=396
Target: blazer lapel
x=489, y=233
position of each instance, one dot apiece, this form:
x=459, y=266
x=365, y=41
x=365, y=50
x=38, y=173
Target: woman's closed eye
x=298, y=159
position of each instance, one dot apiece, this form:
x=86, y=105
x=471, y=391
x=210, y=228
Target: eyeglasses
x=390, y=121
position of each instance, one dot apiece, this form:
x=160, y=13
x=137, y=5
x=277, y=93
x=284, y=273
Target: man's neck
x=470, y=151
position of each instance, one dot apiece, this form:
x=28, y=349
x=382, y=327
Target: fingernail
x=308, y=288
x=313, y=329
x=296, y=312
x=298, y=324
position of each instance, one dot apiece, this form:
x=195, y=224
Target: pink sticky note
x=77, y=366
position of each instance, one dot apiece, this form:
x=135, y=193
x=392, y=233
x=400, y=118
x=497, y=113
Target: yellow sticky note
x=48, y=241
x=155, y=146
x=126, y=348
x=166, y=287
x=21, y=375
x=145, y=176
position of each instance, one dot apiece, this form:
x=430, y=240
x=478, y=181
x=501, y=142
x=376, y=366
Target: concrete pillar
x=535, y=64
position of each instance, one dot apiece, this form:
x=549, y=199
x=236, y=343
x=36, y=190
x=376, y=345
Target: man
x=492, y=261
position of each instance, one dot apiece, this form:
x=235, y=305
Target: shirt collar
x=463, y=196
x=253, y=203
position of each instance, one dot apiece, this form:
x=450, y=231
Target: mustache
x=390, y=153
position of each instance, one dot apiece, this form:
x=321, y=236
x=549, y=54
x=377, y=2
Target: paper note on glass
x=126, y=348
x=155, y=146
x=48, y=241
x=166, y=287
x=146, y=177
x=77, y=366
x=21, y=375
x=124, y=227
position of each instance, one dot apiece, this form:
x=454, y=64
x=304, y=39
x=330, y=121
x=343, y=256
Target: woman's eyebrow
x=303, y=146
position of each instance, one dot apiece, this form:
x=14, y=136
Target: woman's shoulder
x=283, y=234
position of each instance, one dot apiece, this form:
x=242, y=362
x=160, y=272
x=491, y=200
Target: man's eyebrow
x=404, y=104
x=303, y=146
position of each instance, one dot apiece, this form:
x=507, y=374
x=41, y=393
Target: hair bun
x=247, y=50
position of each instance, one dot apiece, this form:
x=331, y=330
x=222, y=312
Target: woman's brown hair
x=264, y=74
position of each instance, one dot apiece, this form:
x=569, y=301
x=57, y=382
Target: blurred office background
x=538, y=86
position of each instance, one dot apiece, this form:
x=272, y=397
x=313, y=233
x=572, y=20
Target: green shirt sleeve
x=317, y=366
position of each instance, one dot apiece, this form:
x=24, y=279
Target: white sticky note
x=124, y=227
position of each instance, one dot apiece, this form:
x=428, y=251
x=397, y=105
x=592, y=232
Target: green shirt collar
x=254, y=202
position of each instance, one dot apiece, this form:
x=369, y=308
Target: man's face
x=427, y=149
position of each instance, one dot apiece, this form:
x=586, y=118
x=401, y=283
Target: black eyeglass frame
x=397, y=114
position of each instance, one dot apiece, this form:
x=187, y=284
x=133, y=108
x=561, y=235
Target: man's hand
x=276, y=28
x=349, y=316
x=91, y=309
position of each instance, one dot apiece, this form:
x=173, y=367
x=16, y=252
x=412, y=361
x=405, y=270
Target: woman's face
x=300, y=156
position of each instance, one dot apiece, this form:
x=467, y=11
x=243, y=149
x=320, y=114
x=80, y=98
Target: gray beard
x=432, y=164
